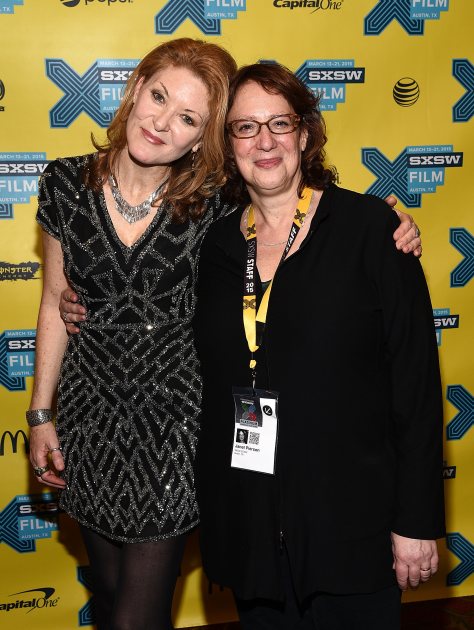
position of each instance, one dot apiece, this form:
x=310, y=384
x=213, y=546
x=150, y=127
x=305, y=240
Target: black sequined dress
x=130, y=387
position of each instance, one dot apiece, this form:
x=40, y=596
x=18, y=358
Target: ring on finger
x=428, y=569
x=56, y=448
x=417, y=230
x=65, y=316
x=40, y=470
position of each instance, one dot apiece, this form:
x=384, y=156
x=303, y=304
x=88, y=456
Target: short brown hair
x=277, y=79
x=189, y=184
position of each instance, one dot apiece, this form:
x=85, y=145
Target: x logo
x=86, y=613
x=460, y=398
x=251, y=231
x=386, y=11
x=463, y=71
x=81, y=94
x=173, y=14
x=300, y=216
x=464, y=550
x=391, y=177
x=9, y=529
x=463, y=241
x=250, y=303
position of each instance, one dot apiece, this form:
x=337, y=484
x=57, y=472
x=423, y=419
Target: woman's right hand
x=71, y=311
x=43, y=443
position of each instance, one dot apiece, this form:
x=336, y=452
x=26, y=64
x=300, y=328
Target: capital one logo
x=415, y=171
x=463, y=71
x=328, y=78
x=19, y=175
x=8, y=6
x=28, y=518
x=410, y=14
x=17, y=358
x=97, y=92
x=464, y=550
x=205, y=14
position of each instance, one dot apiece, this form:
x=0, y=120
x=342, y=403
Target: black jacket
x=350, y=347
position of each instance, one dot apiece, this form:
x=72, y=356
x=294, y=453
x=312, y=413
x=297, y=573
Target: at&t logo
x=96, y=93
x=205, y=14
x=410, y=14
x=28, y=518
x=17, y=358
x=329, y=77
x=417, y=170
x=19, y=175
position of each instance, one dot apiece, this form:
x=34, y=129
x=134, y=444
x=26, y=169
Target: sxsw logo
x=410, y=14
x=328, y=78
x=8, y=6
x=443, y=319
x=415, y=171
x=463, y=241
x=205, y=14
x=19, y=175
x=464, y=550
x=463, y=71
x=460, y=398
x=17, y=358
x=97, y=92
x=28, y=518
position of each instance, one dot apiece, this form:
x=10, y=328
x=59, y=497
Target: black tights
x=133, y=582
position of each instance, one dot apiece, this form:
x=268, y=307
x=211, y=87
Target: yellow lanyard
x=250, y=313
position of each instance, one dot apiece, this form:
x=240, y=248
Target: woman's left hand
x=407, y=235
x=414, y=560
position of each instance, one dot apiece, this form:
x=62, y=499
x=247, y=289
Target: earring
x=193, y=158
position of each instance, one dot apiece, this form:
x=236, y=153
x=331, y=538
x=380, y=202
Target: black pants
x=323, y=611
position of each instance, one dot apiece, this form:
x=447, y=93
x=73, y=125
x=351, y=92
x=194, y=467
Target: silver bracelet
x=34, y=417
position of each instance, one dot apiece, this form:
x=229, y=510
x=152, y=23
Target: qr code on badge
x=254, y=438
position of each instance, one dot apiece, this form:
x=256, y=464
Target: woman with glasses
x=316, y=337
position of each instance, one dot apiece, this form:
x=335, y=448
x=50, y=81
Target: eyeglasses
x=280, y=124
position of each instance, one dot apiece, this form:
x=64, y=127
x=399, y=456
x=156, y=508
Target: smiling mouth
x=268, y=163
x=151, y=138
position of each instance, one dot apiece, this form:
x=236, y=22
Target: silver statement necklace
x=131, y=214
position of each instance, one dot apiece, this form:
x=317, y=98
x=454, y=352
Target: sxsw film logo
x=19, y=175
x=32, y=602
x=17, y=358
x=8, y=6
x=205, y=14
x=13, y=439
x=97, y=92
x=328, y=78
x=464, y=550
x=463, y=241
x=28, y=518
x=442, y=320
x=415, y=171
x=410, y=14
x=463, y=71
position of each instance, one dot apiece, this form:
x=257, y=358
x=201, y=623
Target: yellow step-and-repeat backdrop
x=397, y=85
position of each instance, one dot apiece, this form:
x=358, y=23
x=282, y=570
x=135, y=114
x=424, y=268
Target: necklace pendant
x=132, y=214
